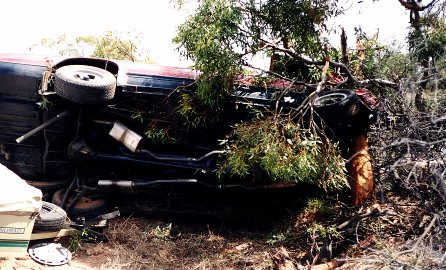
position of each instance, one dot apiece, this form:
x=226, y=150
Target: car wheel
x=88, y=206
x=339, y=105
x=51, y=218
x=84, y=84
x=48, y=186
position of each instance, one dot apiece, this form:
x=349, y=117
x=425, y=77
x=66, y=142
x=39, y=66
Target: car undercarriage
x=82, y=124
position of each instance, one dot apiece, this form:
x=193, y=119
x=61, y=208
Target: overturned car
x=83, y=125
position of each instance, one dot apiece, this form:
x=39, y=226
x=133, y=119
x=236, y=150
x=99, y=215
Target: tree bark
x=360, y=49
x=344, y=48
x=415, y=8
x=360, y=170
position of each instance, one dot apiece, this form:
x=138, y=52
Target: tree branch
x=308, y=61
x=402, y=141
x=412, y=5
x=417, y=244
x=358, y=217
x=350, y=77
x=280, y=76
x=378, y=81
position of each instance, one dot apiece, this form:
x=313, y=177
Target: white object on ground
x=50, y=254
x=16, y=195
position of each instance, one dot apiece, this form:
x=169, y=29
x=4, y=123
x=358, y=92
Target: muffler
x=126, y=136
x=132, y=141
x=124, y=186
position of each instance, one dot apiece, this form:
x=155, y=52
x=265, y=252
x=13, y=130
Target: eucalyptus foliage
x=429, y=41
x=210, y=38
x=221, y=37
x=224, y=34
x=283, y=151
x=380, y=60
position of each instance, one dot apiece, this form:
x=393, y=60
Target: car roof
x=124, y=66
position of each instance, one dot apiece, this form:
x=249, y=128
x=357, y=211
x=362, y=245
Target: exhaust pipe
x=132, y=141
x=133, y=187
x=138, y=186
x=124, y=186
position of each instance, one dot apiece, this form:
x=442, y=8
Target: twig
x=364, y=215
x=439, y=119
x=443, y=259
x=308, y=61
x=417, y=244
x=399, y=142
x=412, y=141
x=275, y=74
x=318, y=88
x=378, y=81
x=327, y=266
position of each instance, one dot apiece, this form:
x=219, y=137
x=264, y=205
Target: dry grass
x=140, y=243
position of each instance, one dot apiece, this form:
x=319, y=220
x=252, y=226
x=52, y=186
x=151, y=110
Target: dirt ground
x=265, y=234
x=145, y=243
x=191, y=235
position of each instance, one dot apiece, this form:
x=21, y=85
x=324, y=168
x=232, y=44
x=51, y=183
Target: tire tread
x=84, y=92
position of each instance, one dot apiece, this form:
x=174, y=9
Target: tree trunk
x=360, y=49
x=416, y=25
x=360, y=170
x=415, y=8
x=419, y=103
x=344, y=47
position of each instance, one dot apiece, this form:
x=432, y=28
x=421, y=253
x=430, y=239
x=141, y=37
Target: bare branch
x=357, y=218
x=412, y=141
x=295, y=82
x=343, y=67
x=318, y=88
x=308, y=61
x=378, y=81
x=417, y=244
x=412, y=5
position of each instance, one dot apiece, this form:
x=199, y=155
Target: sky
x=386, y=16
x=26, y=22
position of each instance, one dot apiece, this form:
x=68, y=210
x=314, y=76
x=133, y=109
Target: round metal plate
x=50, y=254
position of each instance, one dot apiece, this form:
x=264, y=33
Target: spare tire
x=340, y=105
x=84, y=84
x=50, y=218
x=88, y=206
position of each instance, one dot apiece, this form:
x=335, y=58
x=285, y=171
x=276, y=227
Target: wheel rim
x=330, y=99
x=45, y=209
x=87, y=75
x=87, y=206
